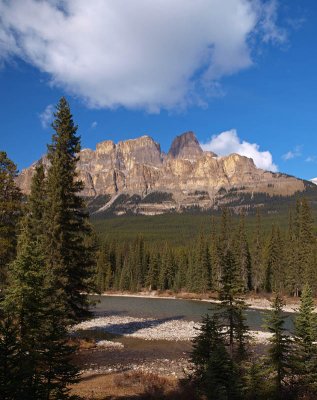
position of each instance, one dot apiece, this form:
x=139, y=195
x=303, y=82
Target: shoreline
x=170, y=330
x=252, y=303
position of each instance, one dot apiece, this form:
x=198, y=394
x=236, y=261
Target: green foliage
x=223, y=252
x=305, y=351
x=52, y=269
x=10, y=208
x=9, y=358
x=280, y=345
x=257, y=385
x=275, y=262
x=157, y=197
x=214, y=373
x=68, y=254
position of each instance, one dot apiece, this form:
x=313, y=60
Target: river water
x=189, y=310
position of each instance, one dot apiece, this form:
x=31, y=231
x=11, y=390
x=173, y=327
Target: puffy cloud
x=314, y=180
x=94, y=125
x=137, y=54
x=296, y=152
x=46, y=117
x=228, y=142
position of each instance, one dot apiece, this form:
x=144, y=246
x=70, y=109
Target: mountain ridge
x=188, y=175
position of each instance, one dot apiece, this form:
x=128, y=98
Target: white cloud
x=314, y=180
x=311, y=159
x=228, y=142
x=46, y=117
x=140, y=53
x=296, y=152
x=94, y=125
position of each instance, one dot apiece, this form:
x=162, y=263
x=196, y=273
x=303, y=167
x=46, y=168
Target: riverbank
x=150, y=329
x=253, y=302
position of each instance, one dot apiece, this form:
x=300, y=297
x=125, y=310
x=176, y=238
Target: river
x=188, y=310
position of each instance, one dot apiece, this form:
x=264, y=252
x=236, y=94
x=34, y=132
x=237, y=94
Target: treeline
x=225, y=366
x=46, y=270
x=280, y=261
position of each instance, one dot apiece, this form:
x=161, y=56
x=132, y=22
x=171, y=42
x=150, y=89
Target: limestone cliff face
x=185, y=146
x=138, y=167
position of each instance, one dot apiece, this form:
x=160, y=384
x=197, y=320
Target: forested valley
x=281, y=260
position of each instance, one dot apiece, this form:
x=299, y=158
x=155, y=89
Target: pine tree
x=180, y=281
x=215, y=374
x=66, y=221
x=256, y=385
x=10, y=209
x=258, y=264
x=214, y=257
x=279, y=350
x=305, y=357
x=243, y=255
x=306, y=243
x=104, y=273
x=37, y=307
x=9, y=358
x=233, y=306
x=275, y=271
x=151, y=281
x=35, y=208
x=204, y=276
x=292, y=261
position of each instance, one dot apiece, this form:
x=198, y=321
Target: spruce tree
x=65, y=217
x=37, y=308
x=104, y=273
x=279, y=350
x=10, y=354
x=307, y=241
x=151, y=281
x=214, y=373
x=214, y=257
x=256, y=383
x=258, y=264
x=275, y=264
x=305, y=357
x=10, y=210
x=233, y=306
x=292, y=260
x=243, y=255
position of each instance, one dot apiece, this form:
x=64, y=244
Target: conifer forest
x=53, y=263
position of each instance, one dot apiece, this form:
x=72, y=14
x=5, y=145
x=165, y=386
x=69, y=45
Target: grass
x=131, y=385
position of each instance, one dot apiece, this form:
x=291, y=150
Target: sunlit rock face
x=139, y=167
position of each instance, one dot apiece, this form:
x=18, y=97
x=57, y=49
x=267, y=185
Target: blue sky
x=240, y=74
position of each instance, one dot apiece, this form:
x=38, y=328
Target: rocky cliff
x=136, y=175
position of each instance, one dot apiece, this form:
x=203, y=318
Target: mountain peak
x=185, y=146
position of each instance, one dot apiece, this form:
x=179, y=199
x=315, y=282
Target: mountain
x=135, y=176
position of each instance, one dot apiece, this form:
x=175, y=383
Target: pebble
x=149, y=329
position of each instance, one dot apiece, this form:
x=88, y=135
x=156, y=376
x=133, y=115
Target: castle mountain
x=136, y=176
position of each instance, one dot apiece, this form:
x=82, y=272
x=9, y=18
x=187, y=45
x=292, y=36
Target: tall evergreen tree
x=104, y=273
x=233, y=306
x=215, y=374
x=243, y=255
x=305, y=357
x=307, y=241
x=275, y=271
x=66, y=219
x=279, y=350
x=10, y=369
x=10, y=209
x=41, y=362
x=258, y=264
x=151, y=281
